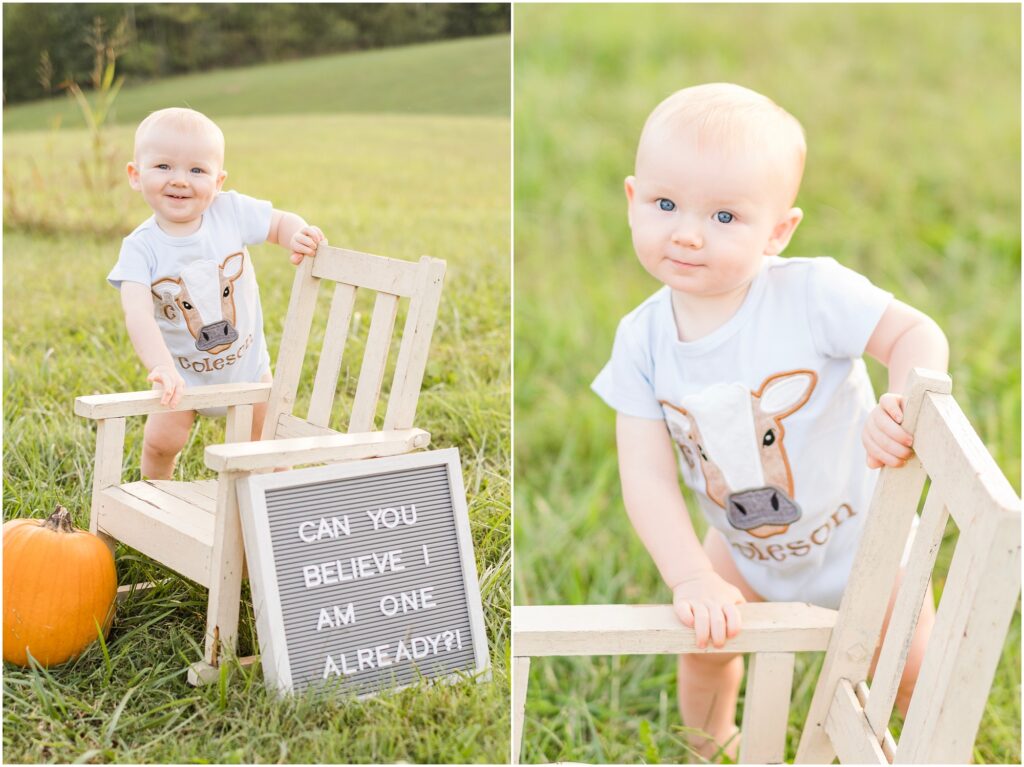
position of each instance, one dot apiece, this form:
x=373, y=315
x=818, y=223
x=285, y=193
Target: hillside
x=467, y=76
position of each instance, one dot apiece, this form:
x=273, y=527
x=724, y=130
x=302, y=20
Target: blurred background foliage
x=912, y=113
x=43, y=42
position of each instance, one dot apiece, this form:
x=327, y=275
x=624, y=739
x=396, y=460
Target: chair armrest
x=655, y=629
x=272, y=453
x=99, y=406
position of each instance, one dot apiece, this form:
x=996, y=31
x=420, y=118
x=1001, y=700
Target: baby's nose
x=688, y=236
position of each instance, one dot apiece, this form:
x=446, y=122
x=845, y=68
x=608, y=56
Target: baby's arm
x=703, y=600
x=290, y=231
x=137, y=302
x=903, y=340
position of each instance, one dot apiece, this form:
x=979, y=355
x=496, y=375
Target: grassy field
x=913, y=179
x=468, y=76
x=396, y=184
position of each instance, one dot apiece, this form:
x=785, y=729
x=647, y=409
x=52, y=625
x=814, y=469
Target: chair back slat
x=385, y=275
x=325, y=384
x=961, y=468
x=412, y=356
x=391, y=280
x=875, y=569
x=898, y=636
x=978, y=599
x=980, y=591
x=974, y=614
x=292, y=351
x=375, y=358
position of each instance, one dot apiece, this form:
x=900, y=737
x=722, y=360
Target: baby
x=190, y=298
x=750, y=365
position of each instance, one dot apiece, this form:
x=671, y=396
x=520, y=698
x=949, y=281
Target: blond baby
x=188, y=289
x=745, y=369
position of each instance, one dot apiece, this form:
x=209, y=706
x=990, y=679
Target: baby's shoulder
x=225, y=203
x=142, y=229
x=799, y=269
x=141, y=238
x=233, y=209
x=650, y=315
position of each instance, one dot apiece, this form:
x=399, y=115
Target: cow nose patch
x=761, y=506
x=215, y=334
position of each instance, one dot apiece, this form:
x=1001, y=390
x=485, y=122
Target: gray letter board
x=363, y=574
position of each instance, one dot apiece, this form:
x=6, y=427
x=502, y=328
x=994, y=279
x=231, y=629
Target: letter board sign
x=363, y=574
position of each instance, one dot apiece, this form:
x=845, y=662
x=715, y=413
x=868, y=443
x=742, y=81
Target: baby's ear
x=630, y=186
x=133, y=175
x=783, y=232
x=220, y=178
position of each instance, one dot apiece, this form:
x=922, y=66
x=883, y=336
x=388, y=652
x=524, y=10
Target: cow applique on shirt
x=210, y=319
x=203, y=295
x=736, y=437
x=206, y=300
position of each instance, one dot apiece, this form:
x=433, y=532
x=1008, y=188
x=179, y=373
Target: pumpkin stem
x=60, y=520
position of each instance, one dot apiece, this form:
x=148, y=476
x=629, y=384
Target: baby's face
x=179, y=174
x=703, y=220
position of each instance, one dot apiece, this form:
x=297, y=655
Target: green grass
x=468, y=76
x=399, y=185
x=913, y=121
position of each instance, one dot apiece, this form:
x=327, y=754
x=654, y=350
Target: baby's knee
x=167, y=438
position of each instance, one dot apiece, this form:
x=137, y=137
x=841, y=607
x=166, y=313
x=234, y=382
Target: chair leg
x=520, y=678
x=227, y=564
x=107, y=469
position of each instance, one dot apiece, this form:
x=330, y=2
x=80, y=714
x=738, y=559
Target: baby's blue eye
x=163, y=166
x=197, y=170
x=666, y=204
x=724, y=216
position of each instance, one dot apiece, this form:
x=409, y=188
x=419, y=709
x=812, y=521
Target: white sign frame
x=259, y=553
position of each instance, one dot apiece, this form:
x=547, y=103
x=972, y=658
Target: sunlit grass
x=401, y=186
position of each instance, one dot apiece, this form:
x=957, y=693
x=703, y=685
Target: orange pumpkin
x=59, y=582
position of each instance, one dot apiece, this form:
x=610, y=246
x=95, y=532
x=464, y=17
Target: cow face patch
x=204, y=295
x=736, y=437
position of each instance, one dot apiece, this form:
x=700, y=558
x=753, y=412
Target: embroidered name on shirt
x=780, y=552
x=211, y=364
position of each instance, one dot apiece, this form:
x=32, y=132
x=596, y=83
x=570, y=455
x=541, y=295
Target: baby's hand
x=171, y=381
x=707, y=604
x=886, y=442
x=304, y=242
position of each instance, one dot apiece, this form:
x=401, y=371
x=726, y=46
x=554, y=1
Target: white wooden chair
x=847, y=718
x=194, y=527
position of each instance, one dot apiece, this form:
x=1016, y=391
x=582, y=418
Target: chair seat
x=171, y=522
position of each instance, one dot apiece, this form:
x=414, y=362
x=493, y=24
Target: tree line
x=47, y=45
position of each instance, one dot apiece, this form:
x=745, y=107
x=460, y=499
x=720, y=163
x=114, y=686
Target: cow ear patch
x=786, y=392
x=232, y=266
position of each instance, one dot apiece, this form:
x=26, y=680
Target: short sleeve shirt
x=205, y=296
x=765, y=413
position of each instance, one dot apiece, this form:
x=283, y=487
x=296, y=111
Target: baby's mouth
x=178, y=196
x=686, y=264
